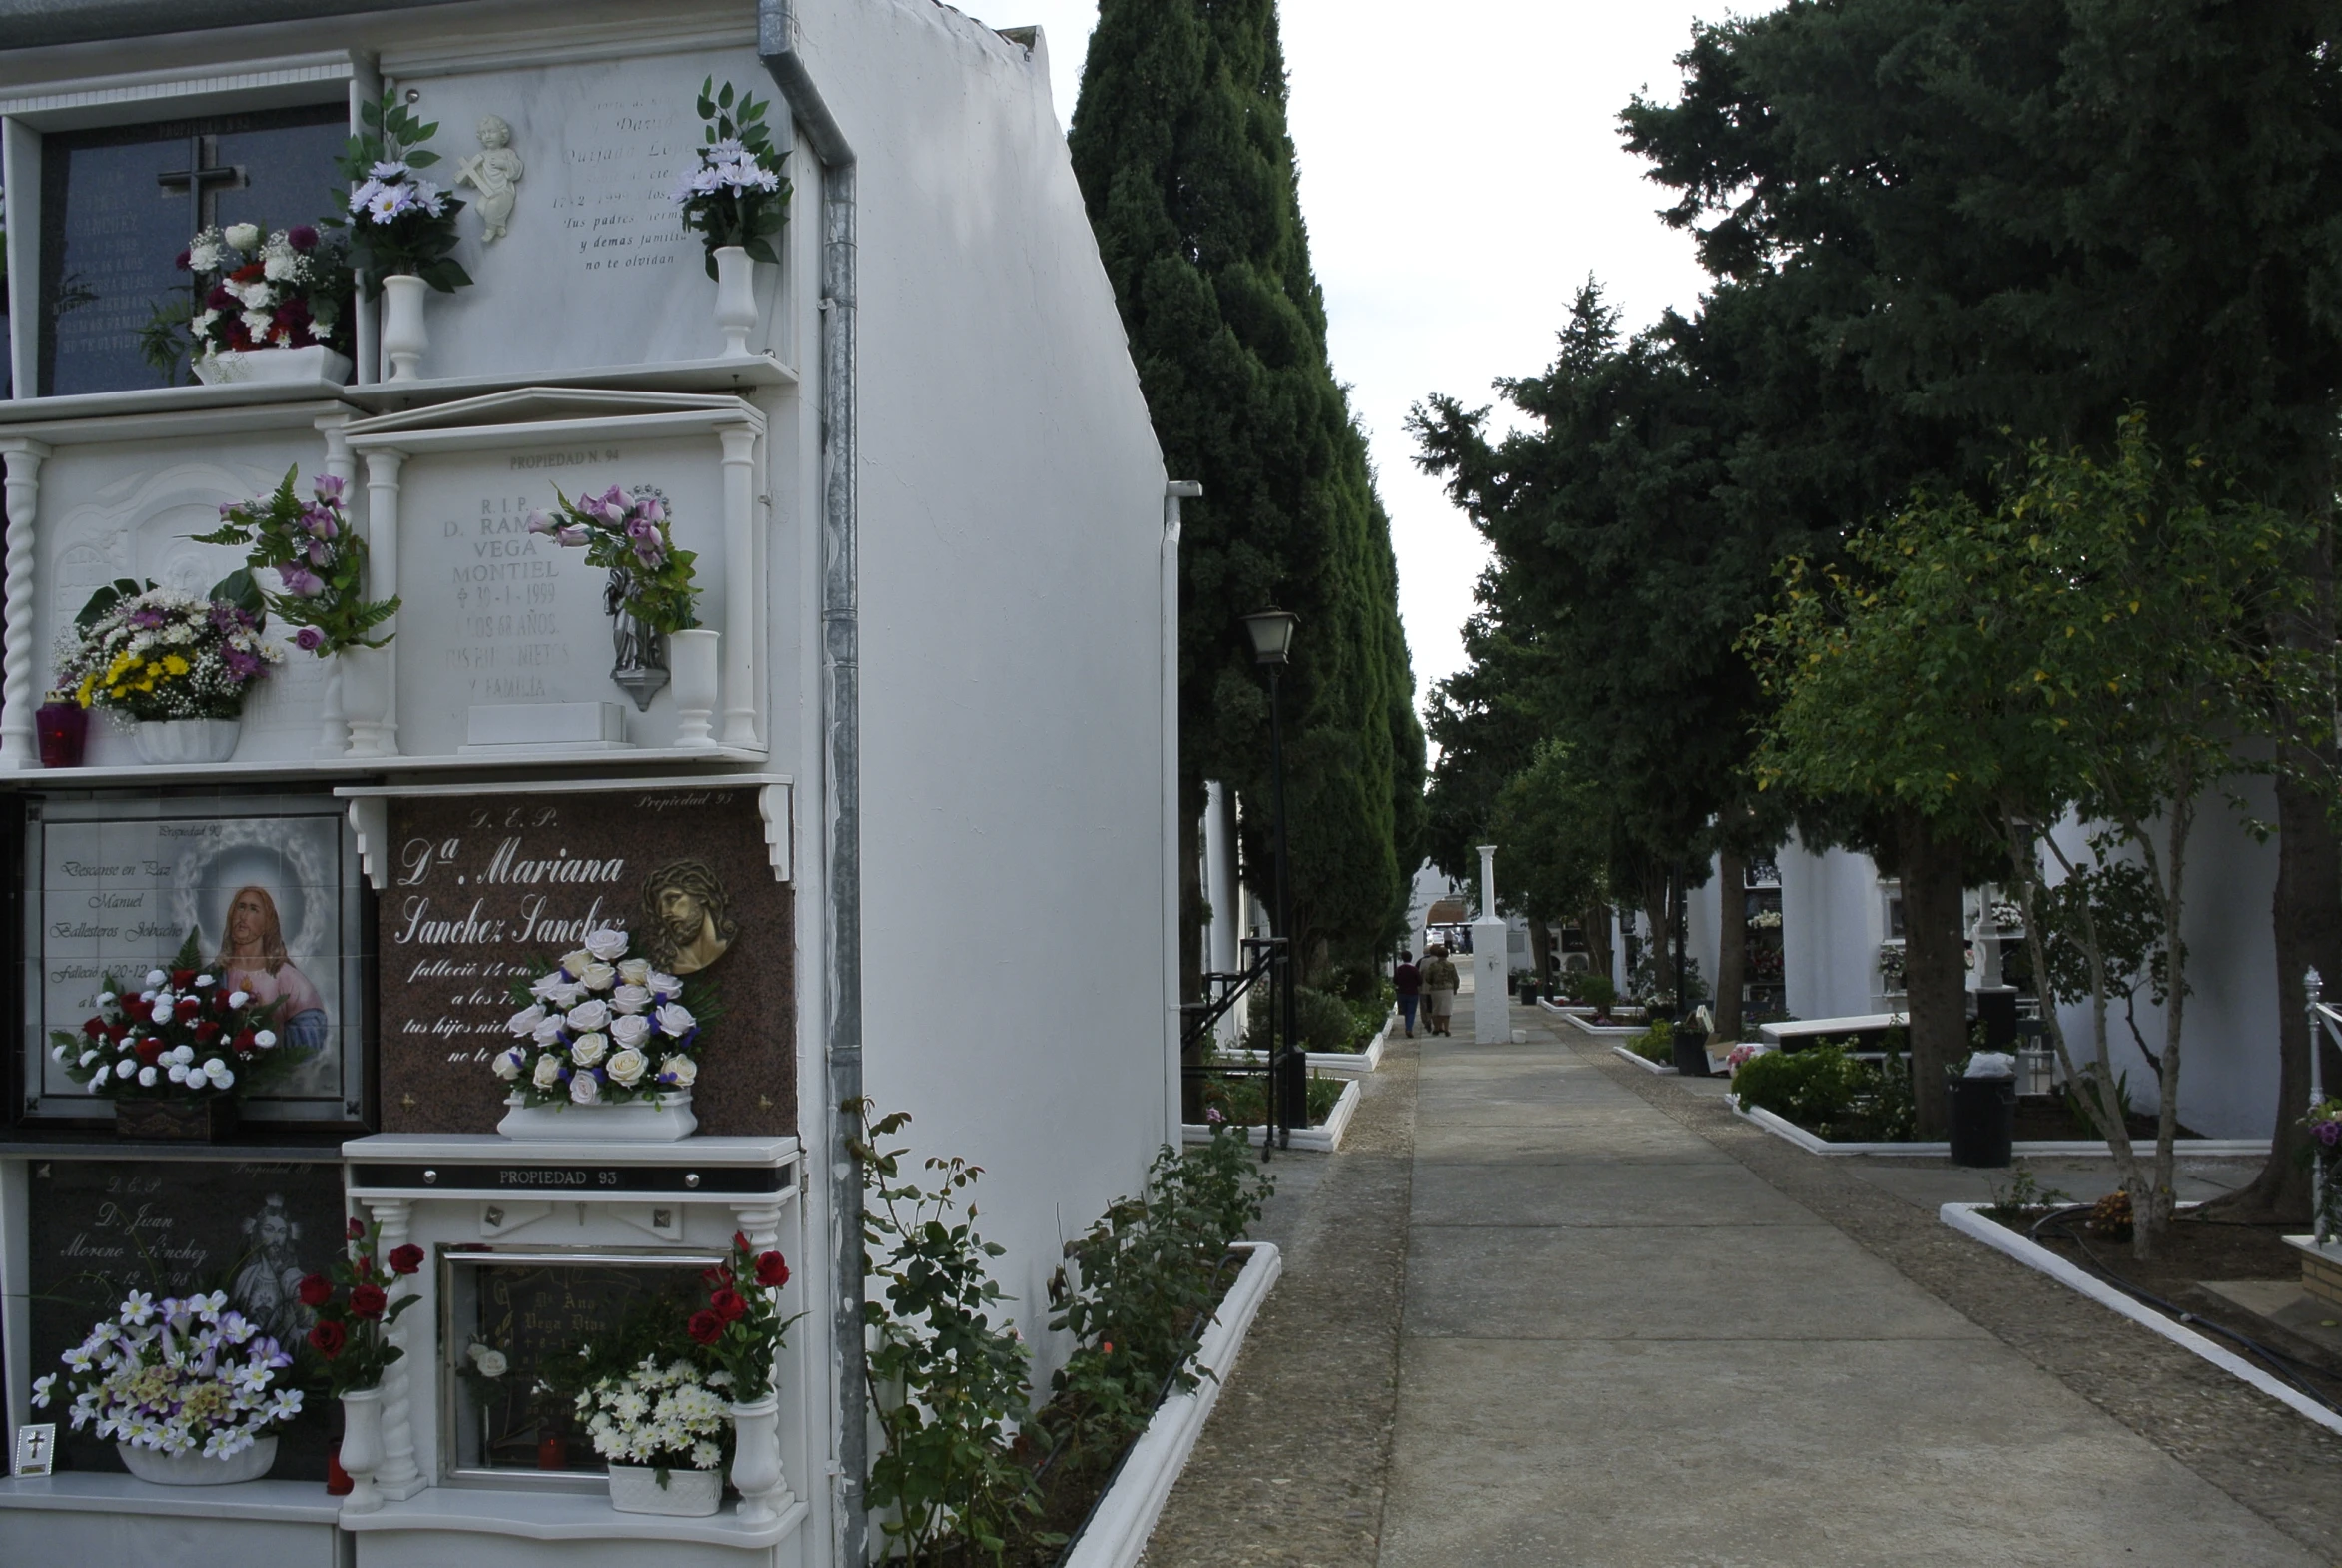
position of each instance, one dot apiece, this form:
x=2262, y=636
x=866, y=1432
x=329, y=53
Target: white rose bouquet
x=176, y=1376
x=603, y=1028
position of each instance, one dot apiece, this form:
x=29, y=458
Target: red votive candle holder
x=63, y=729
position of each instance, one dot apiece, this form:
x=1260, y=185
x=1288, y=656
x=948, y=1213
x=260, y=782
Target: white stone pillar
x=374, y=719
x=334, y=734
x=1491, y=1009
x=399, y=1478
x=743, y=636
x=17, y=697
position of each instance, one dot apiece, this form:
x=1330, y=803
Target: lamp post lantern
x=1271, y=631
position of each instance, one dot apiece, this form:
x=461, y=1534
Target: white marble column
x=399, y=1478
x=334, y=734
x=374, y=720
x=1491, y=957
x=17, y=696
x=742, y=633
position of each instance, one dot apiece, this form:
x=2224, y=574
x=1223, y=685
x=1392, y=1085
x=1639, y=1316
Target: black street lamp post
x=1271, y=631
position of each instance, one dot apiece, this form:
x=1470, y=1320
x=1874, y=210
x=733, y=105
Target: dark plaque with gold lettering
x=490, y=890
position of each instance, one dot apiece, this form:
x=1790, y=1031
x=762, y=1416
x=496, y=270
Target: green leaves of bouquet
x=736, y=195
x=319, y=560
x=398, y=220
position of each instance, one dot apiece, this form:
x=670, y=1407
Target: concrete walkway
x=1621, y=1346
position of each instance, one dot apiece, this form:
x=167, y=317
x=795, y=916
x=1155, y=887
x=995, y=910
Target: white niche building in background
x=933, y=556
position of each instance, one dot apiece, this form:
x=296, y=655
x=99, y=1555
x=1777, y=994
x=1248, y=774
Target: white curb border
x=1333, y=1063
x=1118, y=1530
x=1325, y=1138
x=1579, y=1022
x=1969, y=1220
x=2064, y=1149
x=1645, y=1063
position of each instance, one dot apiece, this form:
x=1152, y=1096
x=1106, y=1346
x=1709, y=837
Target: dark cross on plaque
x=201, y=180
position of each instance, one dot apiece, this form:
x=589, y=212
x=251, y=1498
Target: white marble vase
x=694, y=657
x=735, y=298
x=405, y=333
x=662, y=1119
x=361, y=1447
x=692, y=1494
x=192, y=1469
x=365, y=700
x=316, y=363
x=756, y=1460
x=176, y=741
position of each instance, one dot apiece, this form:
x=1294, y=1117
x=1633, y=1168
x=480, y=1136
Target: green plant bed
x=1243, y=1101
x=1830, y=1093
x=1656, y=1044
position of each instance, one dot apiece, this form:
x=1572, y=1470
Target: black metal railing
x=1283, y=1067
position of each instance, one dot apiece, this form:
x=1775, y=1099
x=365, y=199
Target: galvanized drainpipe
x=1173, y=1020
x=841, y=795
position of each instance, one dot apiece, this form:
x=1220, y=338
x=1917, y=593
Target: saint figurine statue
x=686, y=917
x=494, y=171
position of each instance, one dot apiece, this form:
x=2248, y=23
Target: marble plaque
x=172, y=1228
x=268, y=886
x=490, y=890
x=493, y=615
x=597, y=267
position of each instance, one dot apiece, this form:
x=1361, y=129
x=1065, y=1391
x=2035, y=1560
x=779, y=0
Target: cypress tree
x=1179, y=144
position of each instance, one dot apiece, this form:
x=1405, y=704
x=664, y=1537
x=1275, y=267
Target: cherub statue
x=494, y=171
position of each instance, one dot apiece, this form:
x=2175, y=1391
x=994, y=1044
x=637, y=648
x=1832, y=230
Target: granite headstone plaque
x=490, y=890
x=172, y=1228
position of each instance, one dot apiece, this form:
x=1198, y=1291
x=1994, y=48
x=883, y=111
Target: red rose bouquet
x=741, y=1326
x=355, y=1310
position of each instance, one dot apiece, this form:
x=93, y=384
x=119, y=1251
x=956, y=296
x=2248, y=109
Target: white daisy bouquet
x=176, y=1376
x=400, y=222
x=603, y=1028
x=735, y=195
x=666, y=1416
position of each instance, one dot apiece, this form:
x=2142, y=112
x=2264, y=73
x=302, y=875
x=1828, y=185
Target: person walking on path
x=1410, y=981
x=1439, y=987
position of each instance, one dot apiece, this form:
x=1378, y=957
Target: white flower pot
x=365, y=701
x=192, y=1469
x=667, y=1119
x=694, y=656
x=186, y=740
x=735, y=298
x=634, y=1488
x=405, y=335
x=316, y=363
x=361, y=1447
x=756, y=1460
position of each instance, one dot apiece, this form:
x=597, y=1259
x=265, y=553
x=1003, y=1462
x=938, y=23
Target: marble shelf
x=34, y=1142
x=283, y=1502
x=343, y=767
x=166, y=399
x=563, y=1516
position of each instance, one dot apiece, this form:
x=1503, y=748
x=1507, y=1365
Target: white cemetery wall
x=131, y=511
x=1012, y=741
x=1832, y=919
x=595, y=267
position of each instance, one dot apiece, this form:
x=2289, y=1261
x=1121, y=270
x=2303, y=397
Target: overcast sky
x=1461, y=175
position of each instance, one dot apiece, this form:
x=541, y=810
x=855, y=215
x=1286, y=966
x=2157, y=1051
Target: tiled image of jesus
x=686, y=917
x=253, y=957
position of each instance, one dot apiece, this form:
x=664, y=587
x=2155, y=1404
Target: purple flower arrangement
x=150, y=655
x=320, y=565
x=629, y=535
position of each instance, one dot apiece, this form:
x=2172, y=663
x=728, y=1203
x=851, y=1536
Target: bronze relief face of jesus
x=686, y=917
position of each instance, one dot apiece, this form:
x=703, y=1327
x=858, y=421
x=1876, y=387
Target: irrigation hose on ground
x=2277, y=1361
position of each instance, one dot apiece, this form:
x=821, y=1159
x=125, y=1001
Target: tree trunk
x=1653, y=889
x=1541, y=951
x=1933, y=968
x=1595, y=922
x=1731, y=941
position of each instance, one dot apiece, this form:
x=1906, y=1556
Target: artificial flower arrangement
x=287, y=290
x=2325, y=1129
x=736, y=195
x=355, y=1310
x=603, y=1029
x=148, y=653
x=320, y=563
x=186, y=1036
x=178, y=1376
x=631, y=536
x=400, y=222
x=741, y=1327
x=663, y=1415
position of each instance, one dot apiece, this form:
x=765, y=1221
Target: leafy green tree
x=2092, y=642
x=2029, y=218
x=1181, y=147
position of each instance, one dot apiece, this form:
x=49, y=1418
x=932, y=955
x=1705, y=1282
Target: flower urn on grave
x=695, y=656
x=406, y=334
x=312, y=363
x=756, y=1460
x=735, y=298
x=176, y=742
x=653, y=1119
x=197, y=1469
x=689, y=1494
x=361, y=1451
